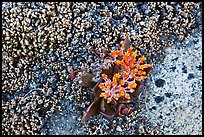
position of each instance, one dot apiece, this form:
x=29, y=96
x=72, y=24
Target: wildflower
x=113, y=54
x=134, y=71
x=143, y=77
x=117, y=75
x=129, y=50
x=147, y=65
x=131, y=90
x=126, y=55
x=122, y=92
x=102, y=94
x=108, y=85
x=104, y=76
x=134, y=54
x=114, y=81
x=122, y=64
x=122, y=47
x=140, y=67
x=118, y=62
x=140, y=72
x=127, y=96
x=115, y=78
x=105, y=95
x=132, y=85
x=138, y=79
x=129, y=70
x=101, y=86
x=122, y=82
x=132, y=65
x=109, y=100
x=119, y=53
x=142, y=59
x=127, y=62
x=125, y=75
x=116, y=96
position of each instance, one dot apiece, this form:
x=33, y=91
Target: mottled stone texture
x=43, y=42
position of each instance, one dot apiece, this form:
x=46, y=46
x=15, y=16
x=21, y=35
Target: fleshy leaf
x=73, y=74
x=102, y=106
x=126, y=43
x=124, y=100
x=116, y=69
x=96, y=90
x=109, y=111
x=106, y=54
x=147, y=69
x=96, y=53
x=120, y=107
x=91, y=110
x=108, y=71
x=87, y=80
x=138, y=88
x=120, y=58
x=123, y=110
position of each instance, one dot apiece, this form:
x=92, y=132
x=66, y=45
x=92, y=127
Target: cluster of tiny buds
x=124, y=82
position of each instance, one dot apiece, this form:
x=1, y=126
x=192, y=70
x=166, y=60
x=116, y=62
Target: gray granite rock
x=176, y=104
x=42, y=43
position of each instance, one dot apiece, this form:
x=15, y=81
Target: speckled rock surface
x=64, y=124
x=43, y=41
x=174, y=92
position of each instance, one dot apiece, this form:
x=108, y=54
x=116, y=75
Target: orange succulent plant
x=119, y=83
x=130, y=71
